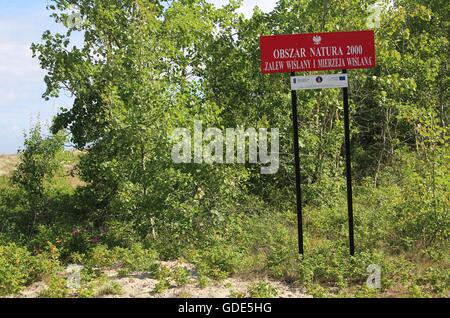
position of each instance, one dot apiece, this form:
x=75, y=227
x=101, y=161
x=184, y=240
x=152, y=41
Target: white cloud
x=17, y=61
x=18, y=71
x=21, y=79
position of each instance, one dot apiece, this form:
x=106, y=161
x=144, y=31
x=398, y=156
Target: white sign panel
x=319, y=81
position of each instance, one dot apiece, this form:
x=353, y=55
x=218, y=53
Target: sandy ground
x=7, y=164
x=142, y=286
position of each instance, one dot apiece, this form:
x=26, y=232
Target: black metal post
x=348, y=170
x=297, y=170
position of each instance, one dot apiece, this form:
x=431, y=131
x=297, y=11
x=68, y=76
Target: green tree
x=38, y=165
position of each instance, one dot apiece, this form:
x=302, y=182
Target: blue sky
x=22, y=22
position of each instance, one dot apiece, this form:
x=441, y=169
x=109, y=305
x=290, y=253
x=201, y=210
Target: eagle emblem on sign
x=317, y=39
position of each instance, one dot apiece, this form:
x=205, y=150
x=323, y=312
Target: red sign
x=317, y=51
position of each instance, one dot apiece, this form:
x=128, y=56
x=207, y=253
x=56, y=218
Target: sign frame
x=320, y=51
x=367, y=53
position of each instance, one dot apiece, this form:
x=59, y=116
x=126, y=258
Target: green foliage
x=121, y=234
x=161, y=286
x=163, y=276
x=436, y=281
x=15, y=264
x=38, y=163
x=180, y=275
x=218, y=261
x=35, y=172
x=203, y=281
x=56, y=288
x=136, y=259
x=236, y=294
x=144, y=69
x=101, y=256
x=262, y=290
x=19, y=268
x=128, y=260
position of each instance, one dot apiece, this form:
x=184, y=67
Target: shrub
x=436, y=280
x=236, y=294
x=100, y=257
x=38, y=165
x=180, y=275
x=262, y=290
x=57, y=288
x=218, y=261
x=162, y=285
x=127, y=260
x=18, y=268
x=119, y=234
x=136, y=259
